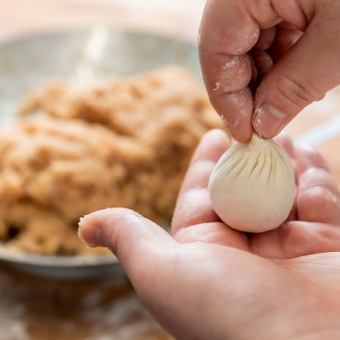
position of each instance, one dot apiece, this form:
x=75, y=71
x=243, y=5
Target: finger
x=307, y=157
x=296, y=238
x=263, y=62
x=193, y=203
x=302, y=75
x=266, y=38
x=216, y=233
x=236, y=109
x=193, y=208
x=318, y=198
x=228, y=32
x=254, y=75
x=150, y=257
x=130, y=237
x=285, y=38
x=213, y=144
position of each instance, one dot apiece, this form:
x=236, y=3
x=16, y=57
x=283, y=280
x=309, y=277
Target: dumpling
x=252, y=187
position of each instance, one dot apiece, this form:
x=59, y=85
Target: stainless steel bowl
x=81, y=56
x=62, y=267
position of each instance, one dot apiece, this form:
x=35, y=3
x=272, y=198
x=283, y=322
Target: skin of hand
x=264, y=61
x=208, y=281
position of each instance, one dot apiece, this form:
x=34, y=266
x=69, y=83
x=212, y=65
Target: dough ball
x=252, y=188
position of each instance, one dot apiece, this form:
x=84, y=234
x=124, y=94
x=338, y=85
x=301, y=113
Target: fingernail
x=269, y=121
x=91, y=235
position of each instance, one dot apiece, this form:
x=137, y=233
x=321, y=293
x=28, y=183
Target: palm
x=254, y=295
x=281, y=284
x=293, y=264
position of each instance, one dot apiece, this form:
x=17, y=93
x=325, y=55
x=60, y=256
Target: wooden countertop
x=32, y=308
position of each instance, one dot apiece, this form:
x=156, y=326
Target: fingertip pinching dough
x=252, y=187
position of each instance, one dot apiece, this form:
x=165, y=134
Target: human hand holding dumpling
x=252, y=187
x=277, y=283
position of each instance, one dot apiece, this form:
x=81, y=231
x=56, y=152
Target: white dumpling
x=252, y=188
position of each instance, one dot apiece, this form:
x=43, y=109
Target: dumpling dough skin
x=252, y=187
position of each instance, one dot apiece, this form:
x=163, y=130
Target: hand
x=281, y=54
x=208, y=281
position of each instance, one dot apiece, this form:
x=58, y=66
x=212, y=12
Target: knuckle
x=317, y=177
x=317, y=160
x=292, y=238
x=318, y=197
x=296, y=92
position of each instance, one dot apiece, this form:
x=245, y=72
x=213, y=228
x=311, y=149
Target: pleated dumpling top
x=252, y=188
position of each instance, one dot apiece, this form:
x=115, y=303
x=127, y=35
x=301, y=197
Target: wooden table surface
x=32, y=308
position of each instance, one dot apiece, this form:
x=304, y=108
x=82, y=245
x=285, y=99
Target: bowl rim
x=55, y=260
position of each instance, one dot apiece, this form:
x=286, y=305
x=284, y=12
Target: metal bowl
x=81, y=56
x=62, y=267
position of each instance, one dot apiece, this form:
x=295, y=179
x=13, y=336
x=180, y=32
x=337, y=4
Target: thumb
x=304, y=74
x=139, y=244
